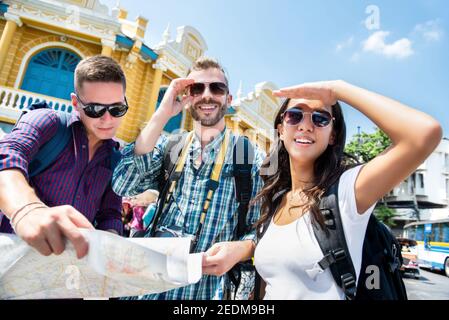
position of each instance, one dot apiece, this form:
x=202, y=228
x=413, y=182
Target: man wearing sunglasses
x=75, y=190
x=205, y=94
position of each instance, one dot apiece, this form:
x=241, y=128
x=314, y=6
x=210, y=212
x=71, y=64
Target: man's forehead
x=209, y=75
x=102, y=92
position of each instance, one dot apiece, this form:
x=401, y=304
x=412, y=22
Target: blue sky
x=404, y=54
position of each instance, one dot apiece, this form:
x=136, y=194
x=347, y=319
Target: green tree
x=386, y=215
x=364, y=147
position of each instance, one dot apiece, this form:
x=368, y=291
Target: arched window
x=50, y=72
x=175, y=122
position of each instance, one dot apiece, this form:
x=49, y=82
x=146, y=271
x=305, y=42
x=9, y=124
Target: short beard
x=222, y=110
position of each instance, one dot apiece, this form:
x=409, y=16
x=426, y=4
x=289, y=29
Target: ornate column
x=156, y=86
x=108, y=47
x=236, y=125
x=12, y=21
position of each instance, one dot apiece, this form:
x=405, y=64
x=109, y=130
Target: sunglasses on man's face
x=96, y=110
x=295, y=116
x=216, y=88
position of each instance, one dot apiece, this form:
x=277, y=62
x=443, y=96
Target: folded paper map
x=114, y=267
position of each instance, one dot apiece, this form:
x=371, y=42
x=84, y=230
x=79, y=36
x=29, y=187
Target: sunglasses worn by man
x=216, y=88
x=295, y=116
x=97, y=110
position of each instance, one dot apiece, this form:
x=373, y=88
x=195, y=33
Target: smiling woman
x=311, y=161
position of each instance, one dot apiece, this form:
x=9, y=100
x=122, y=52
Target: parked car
x=410, y=257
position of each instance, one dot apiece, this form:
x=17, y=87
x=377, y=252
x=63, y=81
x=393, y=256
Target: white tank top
x=286, y=257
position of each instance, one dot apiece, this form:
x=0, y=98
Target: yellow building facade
x=42, y=41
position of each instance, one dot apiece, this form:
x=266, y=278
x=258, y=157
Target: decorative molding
x=184, y=32
x=53, y=32
x=70, y=17
x=108, y=43
x=258, y=109
x=179, y=55
x=240, y=90
x=174, y=60
x=131, y=59
x=267, y=85
x=14, y=18
x=166, y=36
x=160, y=65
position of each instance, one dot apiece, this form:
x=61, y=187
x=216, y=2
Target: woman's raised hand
x=323, y=91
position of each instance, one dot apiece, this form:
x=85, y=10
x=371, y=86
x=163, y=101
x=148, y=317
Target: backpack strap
x=243, y=159
x=48, y=153
x=116, y=156
x=333, y=244
x=172, y=153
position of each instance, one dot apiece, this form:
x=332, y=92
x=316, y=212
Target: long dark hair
x=327, y=170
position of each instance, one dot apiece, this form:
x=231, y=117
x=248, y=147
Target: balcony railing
x=13, y=101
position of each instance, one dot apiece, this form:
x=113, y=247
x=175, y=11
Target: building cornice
x=63, y=15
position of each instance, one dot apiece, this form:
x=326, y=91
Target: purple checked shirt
x=71, y=179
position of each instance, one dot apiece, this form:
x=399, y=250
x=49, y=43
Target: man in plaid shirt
x=207, y=98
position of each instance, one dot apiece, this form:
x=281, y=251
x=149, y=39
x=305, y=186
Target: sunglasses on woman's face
x=96, y=110
x=216, y=88
x=295, y=116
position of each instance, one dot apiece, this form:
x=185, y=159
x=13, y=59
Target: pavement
x=432, y=285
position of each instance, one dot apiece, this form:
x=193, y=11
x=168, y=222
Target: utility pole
x=359, y=142
x=414, y=198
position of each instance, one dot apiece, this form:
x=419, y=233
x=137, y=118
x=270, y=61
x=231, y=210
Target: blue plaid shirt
x=136, y=174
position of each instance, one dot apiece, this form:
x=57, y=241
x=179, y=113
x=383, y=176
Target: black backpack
x=380, y=277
